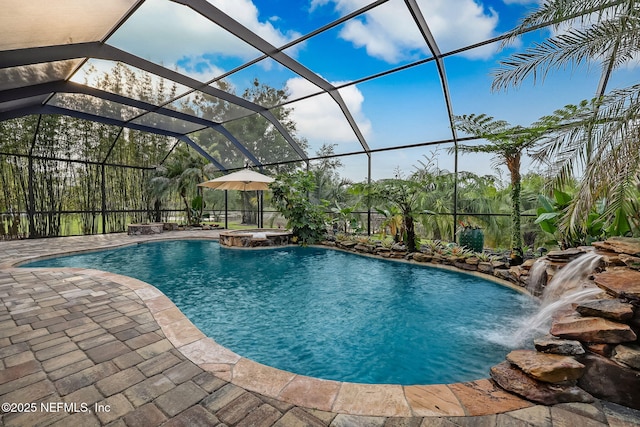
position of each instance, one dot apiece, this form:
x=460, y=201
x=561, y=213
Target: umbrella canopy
x=243, y=180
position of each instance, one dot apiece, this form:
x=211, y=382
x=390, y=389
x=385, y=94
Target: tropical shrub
x=598, y=224
x=393, y=221
x=345, y=218
x=289, y=196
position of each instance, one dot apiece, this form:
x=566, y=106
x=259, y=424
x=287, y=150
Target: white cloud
x=317, y=3
x=246, y=13
x=199, y=68
x=389, y=33
x=384, y=35
x=458, y=23
x=521, y=1
x=320, y=120
x=176, y=36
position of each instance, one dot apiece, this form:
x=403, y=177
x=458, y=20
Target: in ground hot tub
x=253, y=238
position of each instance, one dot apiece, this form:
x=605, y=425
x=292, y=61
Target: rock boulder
x=498, y=264
x=466, y=266
x=549, y=368
x=623, y=283
x=592, y=329
x=514, y=380
x=609, y=381
x=346, y=244
x=368, y=249
x=420, y=257
x=551, y=344
x=632, y=262
x=472, y=260
x=566, y=255
x=485, y=267
x=605, y=350
x=503, y=274
x=628, y=354
x=621, y=245
x=608, y=308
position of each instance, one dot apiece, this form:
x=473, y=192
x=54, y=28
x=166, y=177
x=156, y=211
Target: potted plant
x=471, y=237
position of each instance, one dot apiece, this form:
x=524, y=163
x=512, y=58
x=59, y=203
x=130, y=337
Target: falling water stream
x=568, y=286
x=537, y=276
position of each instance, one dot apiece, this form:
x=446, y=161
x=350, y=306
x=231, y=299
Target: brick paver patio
x=78, y=348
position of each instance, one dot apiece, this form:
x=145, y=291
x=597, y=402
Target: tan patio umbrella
x=243, y=180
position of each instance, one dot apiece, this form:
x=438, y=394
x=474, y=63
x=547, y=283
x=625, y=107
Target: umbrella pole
x=226, y=210
x=260, y=210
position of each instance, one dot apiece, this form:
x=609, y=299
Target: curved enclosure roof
x=366, y=77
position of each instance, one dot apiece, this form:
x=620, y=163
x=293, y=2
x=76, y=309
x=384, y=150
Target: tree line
x=58, y=167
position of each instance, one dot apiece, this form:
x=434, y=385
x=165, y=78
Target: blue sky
x=399, y=109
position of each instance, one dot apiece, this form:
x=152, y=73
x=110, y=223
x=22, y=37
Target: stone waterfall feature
x=592, y=311
x=594, y=316
x=568, y=286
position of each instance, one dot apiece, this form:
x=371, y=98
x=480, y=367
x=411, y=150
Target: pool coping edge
x=474, y=398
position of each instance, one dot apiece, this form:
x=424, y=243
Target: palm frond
x=613, y=177
x=611, y=32
x=555, y=12
x=480, y=125
x=577, y=133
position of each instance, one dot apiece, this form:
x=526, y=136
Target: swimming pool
x=326, y=313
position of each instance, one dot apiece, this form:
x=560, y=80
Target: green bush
x=307, y=221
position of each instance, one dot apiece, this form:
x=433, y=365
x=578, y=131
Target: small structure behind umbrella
x=242, y=180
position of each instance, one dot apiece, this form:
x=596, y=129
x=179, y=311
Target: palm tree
x=506, y=143
x=181, y=173
x=401, y=194
x=601, y=138
x=436, y=199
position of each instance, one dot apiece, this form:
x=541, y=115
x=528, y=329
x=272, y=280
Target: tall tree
x=181, y=173
x=507, y=143
x=253, y=131
x=259, y=135
x=600, y=138
x=329, y=185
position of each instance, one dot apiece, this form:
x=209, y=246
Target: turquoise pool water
x=326, y=313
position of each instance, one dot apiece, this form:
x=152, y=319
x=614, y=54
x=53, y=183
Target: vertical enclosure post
x=226, y=209
x=260, y=209
x=31, y=208
x=103, y=187
x=368, y=196
x=32, y=201
x=455, y=194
